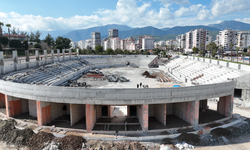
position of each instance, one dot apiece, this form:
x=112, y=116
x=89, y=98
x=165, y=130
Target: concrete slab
x=209, y=116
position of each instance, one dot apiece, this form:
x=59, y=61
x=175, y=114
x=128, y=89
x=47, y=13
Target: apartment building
x=227, y=38
x=147, y=43
x=243, y=39
x=96, y=39
x=180, y=41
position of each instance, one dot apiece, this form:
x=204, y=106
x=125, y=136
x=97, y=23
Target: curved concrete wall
x=116, y=96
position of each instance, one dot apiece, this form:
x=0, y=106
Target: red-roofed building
x=16, y=37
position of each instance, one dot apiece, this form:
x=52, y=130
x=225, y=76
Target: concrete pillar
x=43, y=113
x=27, y=55
x=37, y=57
x=2, y=100
x=58, y=55
x=225, y=106
x=90, y=117
x=77, y=51
x=1, y=63
x=15, y=58
x=69, y=54
x=45, y=56
x=128, y=111
x=52, y=56
x=245, y=95
x=160, y=113
x=13, y=106
x=27, y=60
x=192, y=113
x=63, y=51
x=77, y=112
x=144, y=119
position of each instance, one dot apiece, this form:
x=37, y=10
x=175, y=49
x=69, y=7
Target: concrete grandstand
x=37, y=89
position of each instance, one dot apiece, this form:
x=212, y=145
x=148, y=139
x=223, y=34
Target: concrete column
x=160, y=113
x=2, y=100
x=45, y=56
x=77, y=112
x=15, y=58
x=1, y=63
x=43, y=113
x=69, y=54
x=13, y=106
x=37, y=57
x=144, y=119
x=192, y=113
x=225, y=106
x=58, y=55
x=52, y=53
x=27, y=56
x=128, y=111
x=245, y=95
x=90, y=117
x=77, y=51
x=63, y=51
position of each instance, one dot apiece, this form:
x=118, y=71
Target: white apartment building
x=147, y=43
x=113, y=33
x=181, y=41
x=115, y=43
x=201, y=38
x=171, y=43
x=106, y=44
x=159, y=44
x=81, y=44
x=88, y=44
x=73, y=44
x=128, y=44
x=96, y=39
x=243, y=39
x=226, y=38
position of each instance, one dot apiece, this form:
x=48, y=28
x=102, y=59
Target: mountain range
x=158, y=34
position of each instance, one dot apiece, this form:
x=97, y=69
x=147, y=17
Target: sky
x=52, y=15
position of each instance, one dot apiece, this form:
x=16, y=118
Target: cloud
x=245, y=20
x=179, y=2
x=221, y=7
x=187, y=11
x=204, y=14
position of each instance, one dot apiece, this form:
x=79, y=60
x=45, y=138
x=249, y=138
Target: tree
x=201, y=53
x=195, y=49
x=32, y=37
x=212, y=47
x=98, y=49
x=231, y=47
x=237, y=48
x=1, y=30
x=62, y=43
x=37, y=36
x=49, y=40
x=25, y=45
x=4, y=41
x=13, y=31
x=118, y=51
x=37, y=45
x=8, y=26
x=109, y=51
x=15, y=44
x=23, y=33
x=221, y=49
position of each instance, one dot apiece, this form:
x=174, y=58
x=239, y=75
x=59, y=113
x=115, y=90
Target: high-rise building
x=96, y=39
x=243, y=40
x=147, y=43
x=181, y=41
x=227, y=39
x=113, y=33
x=81, y=44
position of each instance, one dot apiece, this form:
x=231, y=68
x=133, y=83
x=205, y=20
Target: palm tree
x=237, y=48
x=231, y=47
x=221, y=48
x=8, y=26
x=1, y=24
